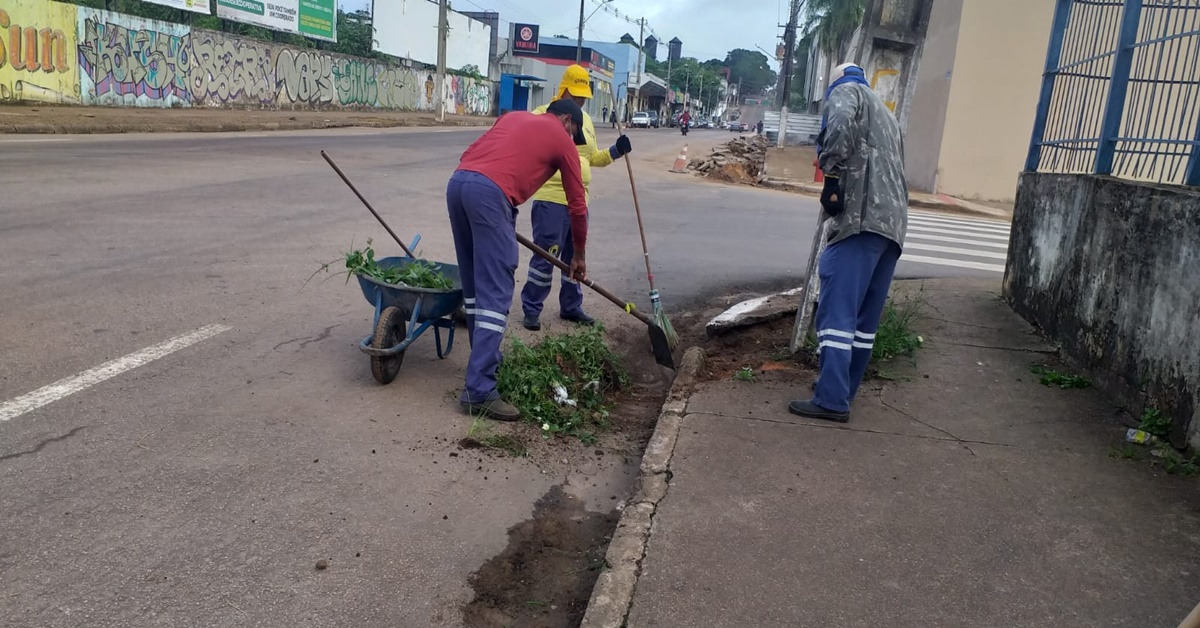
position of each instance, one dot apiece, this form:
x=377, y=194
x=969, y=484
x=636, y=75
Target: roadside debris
x=741, y=160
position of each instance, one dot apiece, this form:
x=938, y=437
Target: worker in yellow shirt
x=551, y=219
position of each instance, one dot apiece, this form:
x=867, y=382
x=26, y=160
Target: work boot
x=532, y=323
x=579, y=317
x=810, y=410
x=496, y=409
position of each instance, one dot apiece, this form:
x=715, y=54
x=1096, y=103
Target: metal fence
x=1121, y=91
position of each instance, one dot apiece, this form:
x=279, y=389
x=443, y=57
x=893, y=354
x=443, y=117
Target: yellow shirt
x=589, y=155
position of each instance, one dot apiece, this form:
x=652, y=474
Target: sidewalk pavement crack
x=1017, y=349
x=844, y=428
x=43, y=444
x=964, y=443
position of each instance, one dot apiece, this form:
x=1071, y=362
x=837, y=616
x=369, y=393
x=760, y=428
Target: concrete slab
x=755, y=311
x=770, y=524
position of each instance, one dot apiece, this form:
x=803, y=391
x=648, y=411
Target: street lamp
x=582, y=21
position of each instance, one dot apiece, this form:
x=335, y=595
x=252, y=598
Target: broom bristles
x=664, y=323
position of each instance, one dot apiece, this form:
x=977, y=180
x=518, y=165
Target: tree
x=751, y=68
x=833, y=22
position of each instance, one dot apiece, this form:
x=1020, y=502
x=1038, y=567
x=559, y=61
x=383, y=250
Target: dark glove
x=831, y=196
x=621, y=148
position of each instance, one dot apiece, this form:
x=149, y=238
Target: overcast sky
x=707, y=28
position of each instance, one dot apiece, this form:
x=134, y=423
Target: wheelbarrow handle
x=625, y=305
x=368, y=204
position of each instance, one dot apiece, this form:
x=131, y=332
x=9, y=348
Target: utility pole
x=579, y=42
x=637, y=93
x=789, y=49
x=443, y=33
x=670, y=62
x=701, y=98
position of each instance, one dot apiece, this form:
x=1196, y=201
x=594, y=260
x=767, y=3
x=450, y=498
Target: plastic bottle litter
x=1141, y=437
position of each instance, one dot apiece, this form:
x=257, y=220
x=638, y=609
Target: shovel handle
x=544, y=254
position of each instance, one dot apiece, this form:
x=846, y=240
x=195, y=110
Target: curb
x=612, y=596
x=811, y=189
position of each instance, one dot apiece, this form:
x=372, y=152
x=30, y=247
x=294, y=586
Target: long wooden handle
x=1192, y=620
x=367, y=203
x=637, y=206
x=544, y=254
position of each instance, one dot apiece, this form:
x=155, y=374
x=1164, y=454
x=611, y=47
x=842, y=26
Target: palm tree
x=834, y=23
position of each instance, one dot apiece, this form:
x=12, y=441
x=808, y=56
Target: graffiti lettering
x=143, y=63
x=230, y=71
x=356, y=83
x=30, y=49
x=305, y=78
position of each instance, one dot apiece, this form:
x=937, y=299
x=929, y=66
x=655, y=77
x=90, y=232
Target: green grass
x=1155, y=423
x=744, y=374
x=581, y=363
x=482, y=433
x=1051, y=377
x=895, y=336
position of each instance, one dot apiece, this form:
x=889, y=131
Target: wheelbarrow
x=403, y=313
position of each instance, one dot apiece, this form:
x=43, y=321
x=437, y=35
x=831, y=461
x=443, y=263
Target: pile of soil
x=742, y=160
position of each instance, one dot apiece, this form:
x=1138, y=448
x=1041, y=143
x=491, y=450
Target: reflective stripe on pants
x=551, y=228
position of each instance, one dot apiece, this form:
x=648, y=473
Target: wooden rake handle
x=544, y=254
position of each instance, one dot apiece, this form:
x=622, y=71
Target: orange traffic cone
x=681, y=161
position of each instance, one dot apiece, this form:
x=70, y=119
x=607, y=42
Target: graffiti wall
x=52, y=52
x=130, y=61
x=37, y=52
x=236, y=71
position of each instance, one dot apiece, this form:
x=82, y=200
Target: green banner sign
x=312, y=18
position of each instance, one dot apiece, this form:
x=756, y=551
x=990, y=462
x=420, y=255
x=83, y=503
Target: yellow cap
x=576, y=81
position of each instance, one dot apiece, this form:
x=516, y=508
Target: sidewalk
x=791, y=169
x=68, y=119
x=962, y=493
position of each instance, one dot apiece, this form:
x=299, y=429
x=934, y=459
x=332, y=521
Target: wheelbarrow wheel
x=387, y=335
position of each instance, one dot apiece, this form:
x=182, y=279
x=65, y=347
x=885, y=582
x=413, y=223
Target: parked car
x=654, y=121
x=738, y=127
x=640, y=119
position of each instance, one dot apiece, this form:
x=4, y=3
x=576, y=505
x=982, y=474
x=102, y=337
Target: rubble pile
x=740, y=161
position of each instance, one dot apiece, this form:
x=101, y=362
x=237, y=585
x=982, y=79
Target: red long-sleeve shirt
x=521, y=152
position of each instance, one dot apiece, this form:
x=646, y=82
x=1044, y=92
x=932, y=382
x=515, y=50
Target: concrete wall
x=82, y=55
x=408, y=29
x=927, y=120
x=37, y=52
x=997, y=78
x=1108, y=268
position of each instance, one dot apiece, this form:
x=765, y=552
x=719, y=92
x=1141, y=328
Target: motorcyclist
x=685, y=121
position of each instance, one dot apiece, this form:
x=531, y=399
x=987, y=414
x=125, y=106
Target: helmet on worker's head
x=576, y=82
x=843, y=70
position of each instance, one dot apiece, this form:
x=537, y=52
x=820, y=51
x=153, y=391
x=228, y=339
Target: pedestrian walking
x=613, y=119
x=501, y=170
x=862, y=155
x=760, y=127
x=604, y=113
x=551, y=219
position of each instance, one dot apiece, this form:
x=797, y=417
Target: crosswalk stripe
x=983, y=236
x=954, y=250
x=977, y=221
x=933, y=238
x=960, y=227
x=938, y=261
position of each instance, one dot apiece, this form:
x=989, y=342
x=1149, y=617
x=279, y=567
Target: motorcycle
x=683, y=125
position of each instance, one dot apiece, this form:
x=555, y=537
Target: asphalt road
x=209, y=431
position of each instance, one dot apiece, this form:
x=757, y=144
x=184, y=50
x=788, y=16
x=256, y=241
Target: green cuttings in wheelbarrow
x=416, y=274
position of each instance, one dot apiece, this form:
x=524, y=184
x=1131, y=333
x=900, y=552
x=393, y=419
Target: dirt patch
x=761, y=348
x=794, y=163
x=67, y=119
x=544, y=578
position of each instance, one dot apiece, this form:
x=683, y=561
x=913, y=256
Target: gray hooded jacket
x=862, y=146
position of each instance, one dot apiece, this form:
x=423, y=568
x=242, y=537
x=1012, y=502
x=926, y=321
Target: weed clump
x=562, y=383
x=895, y=336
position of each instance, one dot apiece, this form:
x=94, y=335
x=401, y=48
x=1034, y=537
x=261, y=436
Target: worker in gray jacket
x=862, y=155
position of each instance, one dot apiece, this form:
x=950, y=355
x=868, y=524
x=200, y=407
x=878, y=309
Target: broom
x=660, y=315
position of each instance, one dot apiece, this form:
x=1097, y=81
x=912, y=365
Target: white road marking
x=937, y=261
x=35, y=140
x=45, y=395
x=980, y=221
x=924, y=229
x=932, y=238
x=966, y=229
x=954, y=250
